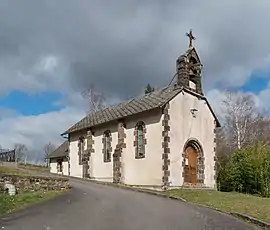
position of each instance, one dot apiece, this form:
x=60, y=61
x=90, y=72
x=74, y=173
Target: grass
x=11, y=203
x=4, y=170
x=34, y=167
x=253, y=206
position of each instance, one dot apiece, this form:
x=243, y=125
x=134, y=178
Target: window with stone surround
x=107, y=146
x=60, y=165
x=81, y=149
x=140, y=140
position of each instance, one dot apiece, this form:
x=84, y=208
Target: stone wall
x=34, y=183
x=166, y=147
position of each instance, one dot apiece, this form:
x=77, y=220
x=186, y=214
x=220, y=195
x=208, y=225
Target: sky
x=50, y=51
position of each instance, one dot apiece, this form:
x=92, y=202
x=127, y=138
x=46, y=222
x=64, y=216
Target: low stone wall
x=34, y=183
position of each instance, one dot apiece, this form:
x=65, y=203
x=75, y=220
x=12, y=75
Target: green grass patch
x=34, y=167
x=11, y=203
x=4, y=170
x=253, y=206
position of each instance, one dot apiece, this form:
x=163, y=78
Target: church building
x=163, y=139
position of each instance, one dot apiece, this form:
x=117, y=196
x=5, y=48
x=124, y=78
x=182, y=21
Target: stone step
x=195, y=186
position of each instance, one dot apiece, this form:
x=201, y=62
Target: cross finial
x=191, y=37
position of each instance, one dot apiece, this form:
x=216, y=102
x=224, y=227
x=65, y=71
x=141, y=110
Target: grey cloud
x=123, y=45
x=6, y=113
x=36, y=131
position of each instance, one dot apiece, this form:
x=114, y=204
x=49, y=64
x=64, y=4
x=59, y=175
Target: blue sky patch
x=255, y=84
x=31, y=104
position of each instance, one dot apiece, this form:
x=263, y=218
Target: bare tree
x=241, y=119
x=262, y=130
x=20, y=152
x=223, y=148
x=48, y=149
x=94, y=99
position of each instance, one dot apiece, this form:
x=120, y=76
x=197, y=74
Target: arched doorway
x=190, y=167
x=193, y=163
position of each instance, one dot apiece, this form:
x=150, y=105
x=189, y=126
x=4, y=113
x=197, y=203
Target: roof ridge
x=129, y=100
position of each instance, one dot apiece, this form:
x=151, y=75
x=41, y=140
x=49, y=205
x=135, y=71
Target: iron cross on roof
x=191, y=37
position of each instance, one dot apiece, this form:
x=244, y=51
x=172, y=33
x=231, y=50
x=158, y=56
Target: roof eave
x=88, y=127
x=169, y=99
x=218, y=124
x=54, y=157
x=64, y=133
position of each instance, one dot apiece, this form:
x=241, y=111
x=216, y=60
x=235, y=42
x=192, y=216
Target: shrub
x=247, y=170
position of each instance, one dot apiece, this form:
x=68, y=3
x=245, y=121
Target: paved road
x=89, y=206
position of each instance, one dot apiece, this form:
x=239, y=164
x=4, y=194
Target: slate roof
x=127, y=108
x=143, y=103
x=61, y=151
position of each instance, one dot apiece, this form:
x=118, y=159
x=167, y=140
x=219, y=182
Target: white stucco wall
x=148, y=170
x=100, y=170
x=185, y=126
x=65, y=167
x=75, y=168
x=53, y=167
x=145, y=171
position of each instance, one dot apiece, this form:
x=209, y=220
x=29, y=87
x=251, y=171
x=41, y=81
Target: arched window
x=81, y=149
x=107, y=146
x=140, y=140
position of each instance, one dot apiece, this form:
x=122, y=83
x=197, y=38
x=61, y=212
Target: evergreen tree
x=149, y=89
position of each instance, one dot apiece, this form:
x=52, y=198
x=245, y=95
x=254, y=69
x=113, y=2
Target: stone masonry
x=165, y=146
x=83, y=157
x=200, y=162
x=33, y=183
x=87, y=153
x=118, y=153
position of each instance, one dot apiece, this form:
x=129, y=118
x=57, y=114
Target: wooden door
x=191, y=166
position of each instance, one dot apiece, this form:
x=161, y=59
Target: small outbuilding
x=59, y=160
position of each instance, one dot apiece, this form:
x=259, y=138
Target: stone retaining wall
x=34, y=183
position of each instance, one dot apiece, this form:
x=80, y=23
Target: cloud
x=217, y=96
x=36, y=131
x=263, y=100
x=121, y=46
x=124, y=45
x=47, y=64
x=6, y=113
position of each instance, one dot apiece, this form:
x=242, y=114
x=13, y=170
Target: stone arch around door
x=194, y=148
